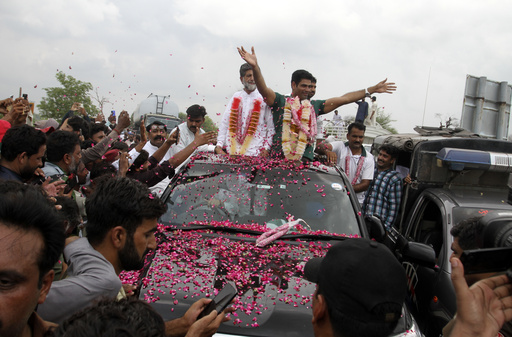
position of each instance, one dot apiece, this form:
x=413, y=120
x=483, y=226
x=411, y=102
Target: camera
x=495, y=243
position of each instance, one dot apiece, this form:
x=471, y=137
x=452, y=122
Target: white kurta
x=342, y=151
x=186, y=137
x=265, y=131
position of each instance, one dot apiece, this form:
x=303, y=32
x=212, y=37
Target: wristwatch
x=366, y=93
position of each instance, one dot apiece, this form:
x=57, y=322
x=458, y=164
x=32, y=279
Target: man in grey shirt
x=122, y=221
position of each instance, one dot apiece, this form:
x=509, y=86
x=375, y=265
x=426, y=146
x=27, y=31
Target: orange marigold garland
x=238, y=136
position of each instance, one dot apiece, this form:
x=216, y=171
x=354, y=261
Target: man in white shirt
x=373, y=113
x=188, y=129
x=157, y=134
x=357, y=163
x=246, y=127
x=337, y=120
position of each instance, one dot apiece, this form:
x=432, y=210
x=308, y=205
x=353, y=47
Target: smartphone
x=177, y=134
x=56, y=177
x=487, y=260
x=221, y=301
x=113, y=113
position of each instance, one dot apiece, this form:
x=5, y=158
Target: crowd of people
x=53, y=269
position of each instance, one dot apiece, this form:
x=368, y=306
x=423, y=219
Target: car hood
x=273, y=297
x=189, y=265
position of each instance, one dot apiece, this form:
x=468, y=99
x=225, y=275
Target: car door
x=430, y=289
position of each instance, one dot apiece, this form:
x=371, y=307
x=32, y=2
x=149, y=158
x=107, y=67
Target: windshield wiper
x=215, y=228
x=313, y=236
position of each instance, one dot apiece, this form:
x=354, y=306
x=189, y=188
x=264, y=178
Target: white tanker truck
x=157, y=108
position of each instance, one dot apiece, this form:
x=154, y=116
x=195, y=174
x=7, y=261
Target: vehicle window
x=463, y=213
x=429, y=227
x=266, y=197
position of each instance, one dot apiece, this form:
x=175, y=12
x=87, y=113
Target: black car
x=219, y=210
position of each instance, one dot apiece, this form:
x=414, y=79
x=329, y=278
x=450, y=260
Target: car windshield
x=247, y=194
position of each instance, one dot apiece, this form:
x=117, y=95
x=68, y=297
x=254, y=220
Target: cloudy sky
x=187, y=49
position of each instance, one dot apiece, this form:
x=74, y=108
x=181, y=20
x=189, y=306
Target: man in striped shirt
x=385, y=192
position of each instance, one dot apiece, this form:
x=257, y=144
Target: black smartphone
x=220, y=302
x=486, y=260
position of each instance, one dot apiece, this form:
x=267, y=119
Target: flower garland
x=237, y=135
x=299, y=127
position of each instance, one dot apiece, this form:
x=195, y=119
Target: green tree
x=60, y=99
x=208, y=124
x=385, y=120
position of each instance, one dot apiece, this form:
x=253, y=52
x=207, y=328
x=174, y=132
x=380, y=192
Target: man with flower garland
x=294, y=116
x=352, y=158
x=246, y=127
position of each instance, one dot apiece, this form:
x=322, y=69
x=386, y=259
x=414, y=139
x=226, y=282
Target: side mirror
x=419, y=253
x=375, y=228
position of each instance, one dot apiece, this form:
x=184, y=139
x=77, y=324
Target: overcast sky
x=187, y=49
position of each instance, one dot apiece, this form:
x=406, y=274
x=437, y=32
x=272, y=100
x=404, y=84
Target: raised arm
x=381, y=87
x=268, y=94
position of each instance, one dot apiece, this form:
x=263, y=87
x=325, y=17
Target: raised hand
x=4, y=104
x=143, y=135
x=384, y=87
x=123, y=121
x=248, y=57
x=482, y=309
x=205, y=138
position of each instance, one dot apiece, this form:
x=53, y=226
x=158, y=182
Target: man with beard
x=295, y=116
x=63, y=155
x=23, y=148
x=121, y=221
x=385, y=191
x=352, y=158
x=121, y=225
x=246, y=127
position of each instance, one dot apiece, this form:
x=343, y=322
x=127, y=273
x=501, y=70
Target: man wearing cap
x=360, y=291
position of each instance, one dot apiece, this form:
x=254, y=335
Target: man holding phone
x=122, y=221
x=76, y=107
